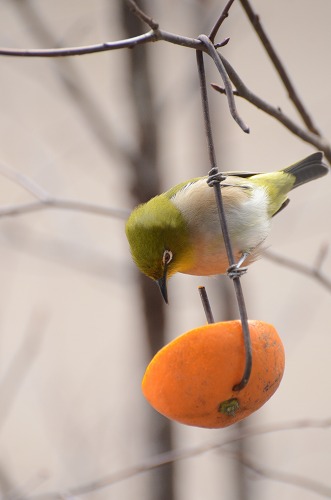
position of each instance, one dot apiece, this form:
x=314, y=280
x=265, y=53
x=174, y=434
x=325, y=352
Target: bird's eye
x=167, y=257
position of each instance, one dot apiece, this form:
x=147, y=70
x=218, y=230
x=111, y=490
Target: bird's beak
x=162, y=283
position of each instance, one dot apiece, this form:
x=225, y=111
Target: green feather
x=154, y=227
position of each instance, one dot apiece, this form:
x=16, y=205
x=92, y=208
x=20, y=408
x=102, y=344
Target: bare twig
x=292, y=93
x=25, y=182
x=137, y=11
x=46, y=200
x=146, y=465
x=21, y=363
x=63, y=204
x=311, y=135
x=227, y=84
x=150, y=36
x=321, y=256
x=242, y=90
x=79, y=51
x=20, y=492
x=220, y=21
x=284, y=477
x=313, y=272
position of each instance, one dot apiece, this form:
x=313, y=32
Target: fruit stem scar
x=229, y=407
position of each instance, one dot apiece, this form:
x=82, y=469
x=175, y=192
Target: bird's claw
x=214, y=177
x=236, y=271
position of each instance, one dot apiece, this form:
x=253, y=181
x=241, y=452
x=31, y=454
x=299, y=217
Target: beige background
x=71, y=349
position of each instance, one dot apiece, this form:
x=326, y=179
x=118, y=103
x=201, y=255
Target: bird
x=179, y=230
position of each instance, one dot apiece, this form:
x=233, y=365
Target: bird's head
x=159, y=240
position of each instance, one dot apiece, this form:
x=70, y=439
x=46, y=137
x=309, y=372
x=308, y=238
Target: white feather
x=246, y=215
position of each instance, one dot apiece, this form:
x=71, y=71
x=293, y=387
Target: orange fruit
x=191, y=379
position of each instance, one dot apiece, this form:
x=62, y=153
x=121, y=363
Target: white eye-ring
x=167, y=257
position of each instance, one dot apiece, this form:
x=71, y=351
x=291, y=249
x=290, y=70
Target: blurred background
x=78, y=323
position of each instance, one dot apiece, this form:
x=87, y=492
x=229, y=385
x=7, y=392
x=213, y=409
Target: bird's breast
x=246, y=216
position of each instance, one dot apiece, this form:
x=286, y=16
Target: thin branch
x=20, y=492
x=227, y=84
x=46, y=200
x=321, y=256
x=150, y=36
x=220, y=21
x=25, y=182
x=292, y=93
x=79, y=51
x=243, y=91
x=160, y=35
x=137, y=11
x=63, y=204
x=148, y=464
x=284, y=477
x=313, y=272
x=21, y=363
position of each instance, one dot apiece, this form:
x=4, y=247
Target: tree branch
x=284, y=477
x=137, y=11
x=227, y=84
x=162, y=459
x=243, y=91
x=21, y=363
x=150, y=36
x=313, y=272
x=312, y=135
x=220, y=21
x=46, y=200
x=292, y=93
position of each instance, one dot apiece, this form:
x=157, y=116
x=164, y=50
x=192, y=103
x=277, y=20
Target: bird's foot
x=214, y=177
x=235, y=271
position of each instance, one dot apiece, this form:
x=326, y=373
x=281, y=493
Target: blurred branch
x=284, y=477
x=313, y=272
x=64, y=204
x=6, y=482
x=46, y=200
x=184, y=454
x=21, y=363
x=20, y=492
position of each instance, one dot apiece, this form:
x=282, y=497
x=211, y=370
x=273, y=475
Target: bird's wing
x=238, y=173
x=186, y=184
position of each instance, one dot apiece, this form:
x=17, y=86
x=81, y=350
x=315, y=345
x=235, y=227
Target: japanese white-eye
x=179, y=230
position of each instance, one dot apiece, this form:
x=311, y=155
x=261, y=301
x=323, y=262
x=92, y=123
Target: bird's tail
x=308, y=169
